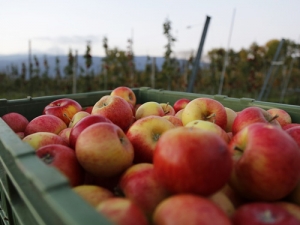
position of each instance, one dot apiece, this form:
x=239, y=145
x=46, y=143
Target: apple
x=139, y=184
x=223, y=202
x=16, y=121
x=294, y=132
x=179, y=114
x=294, y=195
x=64, y=108
x=258, y=213
x=290, y=125
x=205, y=109
x=290, y=207
x=180, y=104
x=149, y=109
x=82, y=124
x=78, y=116
x=191, y=160
x=209, y=126
x=282, y=116
x=65, y=134
x=144, y=134
x=189, y=209
x=104, y=150
x=116, y=109
x=175, y=120
x=39, y=139
x=168, y=109
x=252, y=114
x=266, y=162
x=64, y=159
x=235, y=198
x=231, y=114
x=93, y=194
x=122, y=211
x=45, y=123
x=125, y=93
x=88, y=109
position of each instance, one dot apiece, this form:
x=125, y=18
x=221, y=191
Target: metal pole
x=286, y=81
x=270, y=70
x=226, y=56
x=153, y=72
x=198, y=56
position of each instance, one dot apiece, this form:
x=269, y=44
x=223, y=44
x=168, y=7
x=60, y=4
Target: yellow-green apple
x=258, y=213
x=64, y=159
x=125, y=93
x=180, y=104
x=179, y=114
x=93, y=194
x=209, y=126
x=224, y=202
x=189, y=209
x=144, y=134
x=78, y=116
x=65, y=134
x=294, y=132
x=282, y=116
x=39, y=139
x=266, y=162
x=122, y=211
x=168, y=109
x=139, y=184
x=290, y=125
x=116, y=109
x=191, y=160
x=175, y=120
x=104, y=150
x=205, y=109
x=16, y=121
x=252, y=114
x=45, y=123
x=149, y=109
x=64, y=108
x=290, y=207
x=231, y=114
x=84, y=123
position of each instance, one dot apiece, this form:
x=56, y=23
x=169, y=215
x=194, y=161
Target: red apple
x=259, y=213
x=231, y=114
x=189, y=209
x=16, y=121
x=88, y=109
x=104, y=150
x=175, y=120
x=65, y=134
x=139, y=184
x=125, y=93
x=168, y=109
x=82, y=124
x=290, y=125
x=190, y=160
x=282, y=116
x=290, y=207
x=266, y=164
x=205, y=109
x=45, y=123
x=294, y=132
x=64, y=159
x=64, y=108
x=180, y=104
x=116, y=109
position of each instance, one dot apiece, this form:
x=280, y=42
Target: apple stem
x=65, y=115
x=165, y=108
x=237, y=148
x=273, y=118
x=47, y=158
x=213, y=115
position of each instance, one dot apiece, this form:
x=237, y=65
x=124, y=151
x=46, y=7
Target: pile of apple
x=193, y=162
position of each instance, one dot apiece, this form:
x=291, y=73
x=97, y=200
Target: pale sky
x=55, y=26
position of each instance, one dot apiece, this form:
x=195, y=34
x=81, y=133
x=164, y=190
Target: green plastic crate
x=33, y=193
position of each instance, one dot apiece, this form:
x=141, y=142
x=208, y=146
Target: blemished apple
x=16, y=121
x=258, y=213
x=185, y=157
x=64, y=159
x=149, y=109
x=175, y=120
x=64, y=108
x=189, y=209
x=180, y=104
x=205, y=109
x=168, y=109
x=122, y=211
x=266, y=162
x=103, y=149
x=93, y=194
x=282, y=116
x=39, y=139
x=126, y=93
x=139, y=184
x=144, y=134
x=231, y=114
x=252, y=114
x=78, y=116
x=45, y=123
x=65, y=134
x=82, y=124
x=116, y=109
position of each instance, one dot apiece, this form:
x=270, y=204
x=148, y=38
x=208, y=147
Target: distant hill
x=6, y=61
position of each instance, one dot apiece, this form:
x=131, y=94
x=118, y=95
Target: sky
x=56, y=26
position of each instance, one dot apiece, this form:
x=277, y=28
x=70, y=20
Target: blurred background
x=234, y=48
